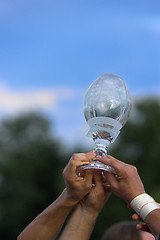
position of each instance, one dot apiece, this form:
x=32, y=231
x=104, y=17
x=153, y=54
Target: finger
x=142, y=227
x=101, y=188
x=113, y=162
x=88, y=177
x=136, y=217
x=74, y=163
x=108, y=159
x=91, y=155
x=83, y=157
x=107, y=187
x=78, y=159
x=88, y=172
x=111, y=178
x=71, y=168
x=119, y=166
x=101, y=179
x=97, y=179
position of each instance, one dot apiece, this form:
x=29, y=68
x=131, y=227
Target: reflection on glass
x=107, y=105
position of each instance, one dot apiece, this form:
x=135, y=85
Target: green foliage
x=32, y=161
x=138, y=144
x=30, y=165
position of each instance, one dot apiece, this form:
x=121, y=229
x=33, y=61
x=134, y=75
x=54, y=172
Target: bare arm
x=152, y=218
x=80, y=225
x=153, y=221
x=128, y=185
x=82, y=221
x=48, y=224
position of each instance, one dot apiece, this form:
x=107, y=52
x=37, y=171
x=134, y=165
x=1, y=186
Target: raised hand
x=77, y=187
x=126, y=183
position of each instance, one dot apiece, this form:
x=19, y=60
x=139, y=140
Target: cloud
x=153, y=24
x=13, y=101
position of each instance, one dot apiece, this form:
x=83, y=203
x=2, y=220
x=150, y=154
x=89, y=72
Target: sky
x=51, y=51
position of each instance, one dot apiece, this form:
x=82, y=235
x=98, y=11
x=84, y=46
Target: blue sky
x=50, y=52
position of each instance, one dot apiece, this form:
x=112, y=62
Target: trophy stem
x=102, y=141
x=101, y=147
x=106, y=107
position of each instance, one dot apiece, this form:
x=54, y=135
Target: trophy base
x=98, y=167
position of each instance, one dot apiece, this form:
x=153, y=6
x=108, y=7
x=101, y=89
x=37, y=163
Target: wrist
x=131, y=196
x=89, y=212
x=143, y=204
x=67, y=200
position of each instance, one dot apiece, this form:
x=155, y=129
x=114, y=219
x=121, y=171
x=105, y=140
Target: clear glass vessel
x=107, y=104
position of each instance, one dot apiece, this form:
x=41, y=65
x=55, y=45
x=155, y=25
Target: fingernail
x=99, y=157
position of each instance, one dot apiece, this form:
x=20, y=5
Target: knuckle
x=71, y=162
x=130, y=170
x=74, y=156
x=126, y=171
x=133, y=169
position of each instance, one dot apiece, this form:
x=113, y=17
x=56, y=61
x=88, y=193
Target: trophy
x=107, y=104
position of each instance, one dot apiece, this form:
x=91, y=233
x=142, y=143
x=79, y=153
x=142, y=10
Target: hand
x=141, y=225
x=126, y=183
x=83, y=219
x=97, y=197
x=77, y=187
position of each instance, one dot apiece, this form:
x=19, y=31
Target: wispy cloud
x=152, y=24
x=12, y=101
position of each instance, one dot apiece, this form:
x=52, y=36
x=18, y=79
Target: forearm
x=153, y=221
x=80, y=225
x=48, y=224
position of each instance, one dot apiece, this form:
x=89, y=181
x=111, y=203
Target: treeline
x=32, y=160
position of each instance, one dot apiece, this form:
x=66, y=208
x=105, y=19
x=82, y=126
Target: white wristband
x=143, y=204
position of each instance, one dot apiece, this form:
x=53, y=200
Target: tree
x=138, y=144
x=32, y=160
x=30, y=169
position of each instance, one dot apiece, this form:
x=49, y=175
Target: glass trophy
x=107, y=104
